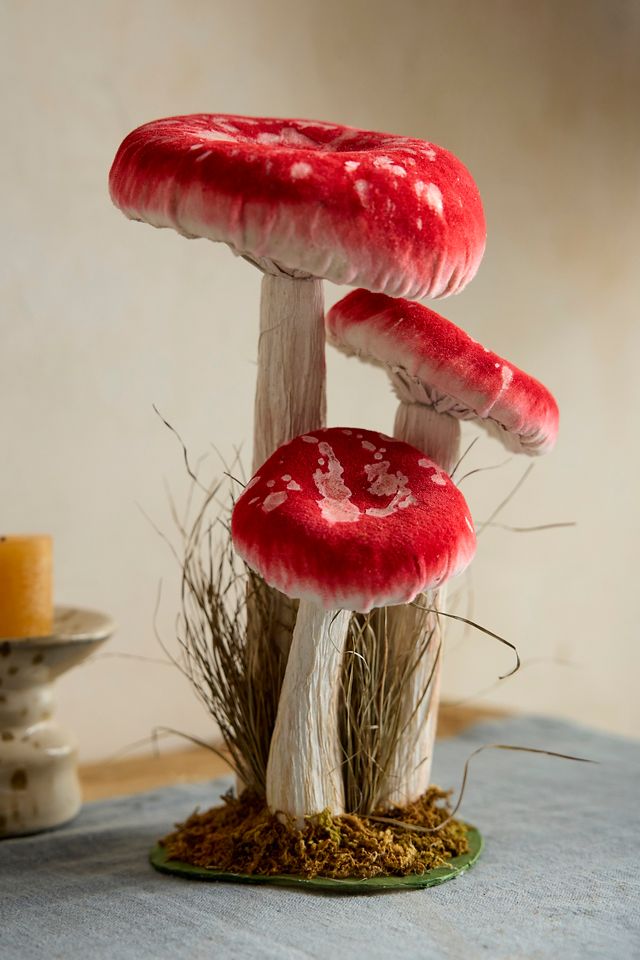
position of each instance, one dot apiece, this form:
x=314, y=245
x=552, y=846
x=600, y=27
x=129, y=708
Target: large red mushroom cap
x=352, y=519
x=389, y=213
x=436, y=363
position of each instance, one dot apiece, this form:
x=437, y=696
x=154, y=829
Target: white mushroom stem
x=290, y=393
x=436, y=434
x=411, y=628
x=290, y=388
x=304, y=773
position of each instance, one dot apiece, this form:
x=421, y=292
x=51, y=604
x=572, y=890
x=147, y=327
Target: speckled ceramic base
x=39, y=785
x=453, y=868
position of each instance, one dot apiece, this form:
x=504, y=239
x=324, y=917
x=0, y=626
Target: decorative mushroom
x=342, y=519
x=305, y=200
x=441, y=375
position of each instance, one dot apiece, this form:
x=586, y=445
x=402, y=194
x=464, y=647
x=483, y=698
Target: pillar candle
x=26, y=586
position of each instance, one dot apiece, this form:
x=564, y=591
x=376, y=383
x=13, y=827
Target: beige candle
x=26, y=586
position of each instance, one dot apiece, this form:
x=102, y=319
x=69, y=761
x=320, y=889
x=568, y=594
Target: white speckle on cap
x=362, y=189
x=507, y=377
x=253, y=482
x=497, y=366
x=292, y=485
x=213, y=135
x=286, y=477
x=336, y=505
x=289, y=135
x=429, y=153
x=419, y=223
x=309, y=440
x=321, y=461
x=377, y=456
x=367, y=445
x=228, y=127
x=301, y=170
x=434, y=198
x=386, y=163
x=271, y=483
x=203, y=156
x=348, y=432
x=439, y=476
x=384, y=484
x=351, y=165
x=274, y=500
x=253, y=500
x=270, y=139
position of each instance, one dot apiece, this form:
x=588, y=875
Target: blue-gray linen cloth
x=558, y=877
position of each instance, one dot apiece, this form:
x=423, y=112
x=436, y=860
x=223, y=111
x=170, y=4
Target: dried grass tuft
x=374, y=678
x=225, y=632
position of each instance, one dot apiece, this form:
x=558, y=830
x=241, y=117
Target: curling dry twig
x=456, y=807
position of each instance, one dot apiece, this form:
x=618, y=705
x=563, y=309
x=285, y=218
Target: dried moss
x=242, y=836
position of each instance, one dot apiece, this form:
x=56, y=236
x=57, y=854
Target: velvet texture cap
x=436, y=363
x=352, y=519
x=394, y=214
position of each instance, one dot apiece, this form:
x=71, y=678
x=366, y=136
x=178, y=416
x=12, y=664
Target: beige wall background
x=101, y=318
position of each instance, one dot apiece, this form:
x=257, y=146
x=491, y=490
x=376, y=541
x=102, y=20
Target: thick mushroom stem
x=290, y=400
x=304, y=773
x=436, y=434
x=290, y=389
x=415, y=629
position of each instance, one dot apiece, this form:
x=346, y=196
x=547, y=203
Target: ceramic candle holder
x=39, y=786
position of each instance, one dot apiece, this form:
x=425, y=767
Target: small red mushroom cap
x=436, y=363
x=389, y=213
x=352, y=519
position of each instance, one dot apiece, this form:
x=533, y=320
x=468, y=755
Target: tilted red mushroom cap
x=352, y=519
x=389, y=213
x=436, y=363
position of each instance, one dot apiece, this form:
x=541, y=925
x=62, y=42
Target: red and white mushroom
x=305, y=200
x=441, y=376
x=342, y=519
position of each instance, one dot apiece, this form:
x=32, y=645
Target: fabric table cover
x=558, y=877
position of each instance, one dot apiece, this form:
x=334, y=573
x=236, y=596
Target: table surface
x=558, y=877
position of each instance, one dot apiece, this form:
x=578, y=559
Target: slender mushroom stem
x=304, y=773
x=290, y=400
x=411, y=627
x=290, y=389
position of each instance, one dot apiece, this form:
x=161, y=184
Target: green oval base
x=457, y=865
